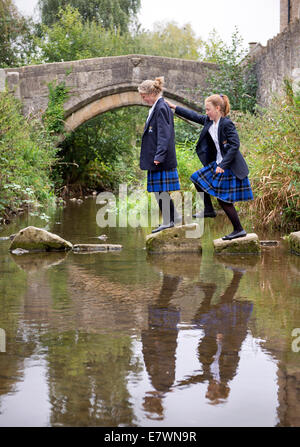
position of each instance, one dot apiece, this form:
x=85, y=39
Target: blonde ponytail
x=149, y=87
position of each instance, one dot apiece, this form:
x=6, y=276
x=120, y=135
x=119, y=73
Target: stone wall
x=101, y=84
x=287, y=16
x=280, y=59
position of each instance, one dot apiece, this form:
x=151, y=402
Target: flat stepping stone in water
x=179, y=239
x=248, y=244
x=294, y=242
x=96, y=247
x=269, y=243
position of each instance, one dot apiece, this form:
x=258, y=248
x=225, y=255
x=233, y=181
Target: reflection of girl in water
x=159, y=346
x=225, y=328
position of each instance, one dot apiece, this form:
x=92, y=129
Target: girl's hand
x=219, y=170
x=156, y=162
x=170, y=104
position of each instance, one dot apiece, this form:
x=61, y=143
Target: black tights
x=228, y=208
x=168, y=209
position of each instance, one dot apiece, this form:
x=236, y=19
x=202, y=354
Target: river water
x=122, y=339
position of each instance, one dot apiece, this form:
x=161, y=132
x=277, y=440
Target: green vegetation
x=103, y=153
x=270, y=139
x=27, y=155
x=235, y=76
x=17, y=41
x=54, y=116
x=110, y=14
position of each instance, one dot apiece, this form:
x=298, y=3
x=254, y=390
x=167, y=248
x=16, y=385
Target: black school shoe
x=205, y=214
x=234, y=235
x=163, y=227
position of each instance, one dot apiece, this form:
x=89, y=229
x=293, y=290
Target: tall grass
x=270, y=140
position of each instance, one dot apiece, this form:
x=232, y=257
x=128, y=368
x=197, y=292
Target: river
x=121, y=339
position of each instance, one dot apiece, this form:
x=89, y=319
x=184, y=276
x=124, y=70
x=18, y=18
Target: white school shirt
x=213, y=130
x=152, y=108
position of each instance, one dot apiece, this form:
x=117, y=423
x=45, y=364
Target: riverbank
x=31, y=176
x=27, y=160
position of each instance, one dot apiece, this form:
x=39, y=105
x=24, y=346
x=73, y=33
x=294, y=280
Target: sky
x=256, y=20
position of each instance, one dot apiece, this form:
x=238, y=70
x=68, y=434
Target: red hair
x=220, y=100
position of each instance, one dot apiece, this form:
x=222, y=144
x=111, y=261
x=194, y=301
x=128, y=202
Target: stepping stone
x=269, y=243
x=36, y=239
x=179, y=239
x=294, y=242
x=248, y=244
x=96, y=247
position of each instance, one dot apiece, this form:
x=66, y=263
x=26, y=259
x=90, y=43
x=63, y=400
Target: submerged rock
x=38, y=239
x=175, y=240
x=248, y=244
x=19, y=251
x=269, y=243
x=294, y=242
x=96, y=247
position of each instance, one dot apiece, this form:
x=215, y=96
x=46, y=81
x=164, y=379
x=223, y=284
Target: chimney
x=252, y=45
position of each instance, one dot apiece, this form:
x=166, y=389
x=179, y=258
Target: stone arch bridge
x=102, y=84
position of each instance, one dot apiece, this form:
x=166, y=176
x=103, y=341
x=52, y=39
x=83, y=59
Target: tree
x=70, y=38
x=235, y=76
x=114, y=14
x=213, y=46
x=16, y=36
x=170, y=40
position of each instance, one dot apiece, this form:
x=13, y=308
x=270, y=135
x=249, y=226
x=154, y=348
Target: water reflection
x=123, y=339
x=159, y=346
x=225, y=328
x=33, y=262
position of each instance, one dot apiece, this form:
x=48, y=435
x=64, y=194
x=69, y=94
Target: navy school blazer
x=158, y=140
x=228, y=140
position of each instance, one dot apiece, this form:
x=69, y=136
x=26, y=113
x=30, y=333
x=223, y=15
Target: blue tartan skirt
x=226, y=187
x=159, y=181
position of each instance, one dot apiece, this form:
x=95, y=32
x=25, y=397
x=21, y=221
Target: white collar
x=216, y=124
x=153, y=107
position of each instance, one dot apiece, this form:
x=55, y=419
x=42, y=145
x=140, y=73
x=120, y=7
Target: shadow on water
x=126, y=339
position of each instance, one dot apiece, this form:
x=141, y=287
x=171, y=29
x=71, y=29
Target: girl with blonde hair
x=158, y=154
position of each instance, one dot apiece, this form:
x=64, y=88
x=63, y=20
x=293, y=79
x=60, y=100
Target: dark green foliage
x=54, y=115
x=17, y=40
x=235, y=77
x=27, y=154
x=111, y=14
x=104, y=151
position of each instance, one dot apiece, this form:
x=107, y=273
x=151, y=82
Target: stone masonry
x=278, y=60
x=101, y=84
x=289, y=11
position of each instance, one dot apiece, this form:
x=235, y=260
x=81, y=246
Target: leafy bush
x=235, y=76
x=54, y=115
x=27, y=153
x=104, y=152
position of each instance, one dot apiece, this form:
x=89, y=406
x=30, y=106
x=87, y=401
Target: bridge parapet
x=101, y=84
